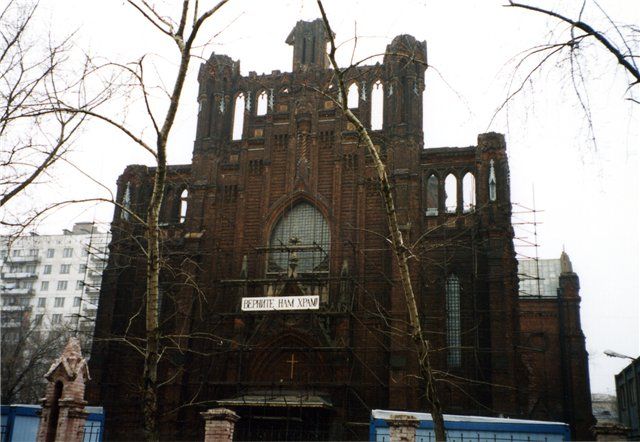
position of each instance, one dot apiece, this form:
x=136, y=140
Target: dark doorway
x=282, y=424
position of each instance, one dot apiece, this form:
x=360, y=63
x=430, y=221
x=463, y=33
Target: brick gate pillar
x=63, y=414
x=402, y=428
x=219, y=424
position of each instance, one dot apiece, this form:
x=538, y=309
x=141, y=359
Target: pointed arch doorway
x=285, y=400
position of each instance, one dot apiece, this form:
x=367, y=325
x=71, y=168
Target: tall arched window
x=183, y=205
x=377, y=106
x=492, y=182
x=238, y=117
x=300, y=238
x=126, y=203
x=452, y=294
x=432, y=195
x=451, y=193
x=211, y=108
x=263, y=102
x=352, y=96
x=468, y=192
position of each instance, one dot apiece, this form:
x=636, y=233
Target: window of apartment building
x=24, y=302
x=82, y=268
x=62, y=285
x=47, y=269
x=76, y=301
x=65, y=268
x=67, y=252
x=31, y=268
x=51, y=253
x=26, y=285
x=3, y=253
x=59, y=302
x=93, y=300
x=56, y=319
x=15, y=268
x=17, y=252
x=44, y=286
x=39, y=318
x=85, y=251
x=79, y=285
x=33, y=252
x=42, y=302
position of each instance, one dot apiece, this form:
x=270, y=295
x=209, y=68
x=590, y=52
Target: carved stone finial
x=71, y=361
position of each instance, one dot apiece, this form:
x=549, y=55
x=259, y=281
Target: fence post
x=402, y=428
x=63, y=414
x=219, y=424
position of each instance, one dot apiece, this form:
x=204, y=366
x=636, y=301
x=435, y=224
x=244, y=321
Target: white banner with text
x=281, y=303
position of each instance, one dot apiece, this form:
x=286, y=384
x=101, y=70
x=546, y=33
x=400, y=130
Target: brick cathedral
x=280, y=295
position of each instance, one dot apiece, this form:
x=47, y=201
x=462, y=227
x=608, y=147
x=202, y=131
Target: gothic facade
x=281, y=202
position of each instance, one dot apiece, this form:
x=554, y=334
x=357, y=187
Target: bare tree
x=566, y=50
x=624, y=55
x=27, y=352
x=400, y=250
x=182, y=31
x=34, y=133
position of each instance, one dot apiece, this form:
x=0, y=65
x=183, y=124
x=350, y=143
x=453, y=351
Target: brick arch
x=281, y=205
x=270, y=360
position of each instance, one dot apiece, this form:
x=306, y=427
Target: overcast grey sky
x=589, y=194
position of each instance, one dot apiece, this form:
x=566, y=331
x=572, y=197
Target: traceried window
x=126, y=203
x=432, y=195
x=300, y=239
x=452, y=295
x=492, y=182
x=451, y=193
x=377, y=106
x=468, y=192
x=352, y=96
x=184, y=196
x=238, y=117
x=263, y=102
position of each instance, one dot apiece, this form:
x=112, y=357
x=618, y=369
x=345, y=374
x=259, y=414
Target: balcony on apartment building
x=14, y=323
x=22, y=259
x=92, y=289
x=15, y=308
x=13, y=291
x=19, y=275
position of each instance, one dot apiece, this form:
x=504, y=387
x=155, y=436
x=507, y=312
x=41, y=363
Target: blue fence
x=20, y=423
x=472, y=428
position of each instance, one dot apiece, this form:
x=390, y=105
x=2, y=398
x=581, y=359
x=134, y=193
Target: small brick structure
x=219, y=424
x=63, y=414
x=402, y=428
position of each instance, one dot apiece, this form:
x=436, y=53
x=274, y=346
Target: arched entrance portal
x=286, y=401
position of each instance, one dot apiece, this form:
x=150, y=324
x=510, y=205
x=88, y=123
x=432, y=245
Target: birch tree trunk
x=401, y=252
